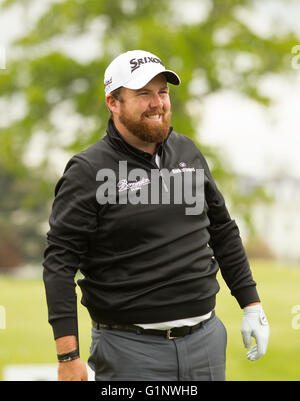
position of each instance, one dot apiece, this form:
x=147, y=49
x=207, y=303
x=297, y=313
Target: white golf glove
x=255, y=324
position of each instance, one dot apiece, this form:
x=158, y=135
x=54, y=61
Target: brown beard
x=144, y=130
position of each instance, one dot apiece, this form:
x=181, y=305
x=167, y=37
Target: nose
x=156, y=100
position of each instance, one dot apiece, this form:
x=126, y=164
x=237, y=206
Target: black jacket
x=141, y=263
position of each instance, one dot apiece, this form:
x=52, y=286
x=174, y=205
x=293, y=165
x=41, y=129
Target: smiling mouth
x=153, y=117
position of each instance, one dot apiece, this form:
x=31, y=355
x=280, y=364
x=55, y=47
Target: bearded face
x=151, y=126
x=145, y=113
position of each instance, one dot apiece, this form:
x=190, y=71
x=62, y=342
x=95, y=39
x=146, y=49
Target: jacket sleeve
x=227, y=245
x=72, y=221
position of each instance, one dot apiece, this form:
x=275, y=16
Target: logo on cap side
x=108, y=82
x=136, y=63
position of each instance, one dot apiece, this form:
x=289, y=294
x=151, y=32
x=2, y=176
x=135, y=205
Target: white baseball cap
x=134, y=69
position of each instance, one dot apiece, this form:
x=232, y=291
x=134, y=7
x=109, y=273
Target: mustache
x=160, y=112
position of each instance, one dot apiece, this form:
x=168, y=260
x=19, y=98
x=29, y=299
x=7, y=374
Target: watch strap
x=69, y=356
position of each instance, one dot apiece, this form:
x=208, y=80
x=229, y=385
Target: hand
x=255, y=324
x=72, y=371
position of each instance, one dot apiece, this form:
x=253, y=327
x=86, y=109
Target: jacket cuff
x=246, y=296
x=64, y=327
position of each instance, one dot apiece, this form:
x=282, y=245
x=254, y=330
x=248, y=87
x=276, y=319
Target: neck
x=148, y=147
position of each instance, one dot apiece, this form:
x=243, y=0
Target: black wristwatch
x=70, y=356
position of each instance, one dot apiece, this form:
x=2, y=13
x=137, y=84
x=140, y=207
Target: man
x=122, y=215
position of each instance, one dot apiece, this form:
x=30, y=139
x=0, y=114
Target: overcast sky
x=256, y=141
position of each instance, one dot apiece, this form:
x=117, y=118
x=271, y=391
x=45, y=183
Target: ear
x=112, y=103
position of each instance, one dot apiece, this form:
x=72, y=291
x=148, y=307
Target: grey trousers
x=124, y=356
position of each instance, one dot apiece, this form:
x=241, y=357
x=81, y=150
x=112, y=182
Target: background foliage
x=54, y=87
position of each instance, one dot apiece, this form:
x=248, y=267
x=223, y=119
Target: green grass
x=28, y=336
x=278, y=287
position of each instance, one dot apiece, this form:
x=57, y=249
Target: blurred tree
x=22, y=205
x=50, y=81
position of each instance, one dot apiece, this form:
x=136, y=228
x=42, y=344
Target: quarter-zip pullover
x=141, y=263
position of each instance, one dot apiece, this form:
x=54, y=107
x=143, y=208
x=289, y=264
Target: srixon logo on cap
x=136, y=63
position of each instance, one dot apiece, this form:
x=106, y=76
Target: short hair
x=117, y=95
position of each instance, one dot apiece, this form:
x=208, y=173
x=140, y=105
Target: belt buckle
x=169, y=337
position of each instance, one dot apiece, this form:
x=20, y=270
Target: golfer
x=139, y=214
